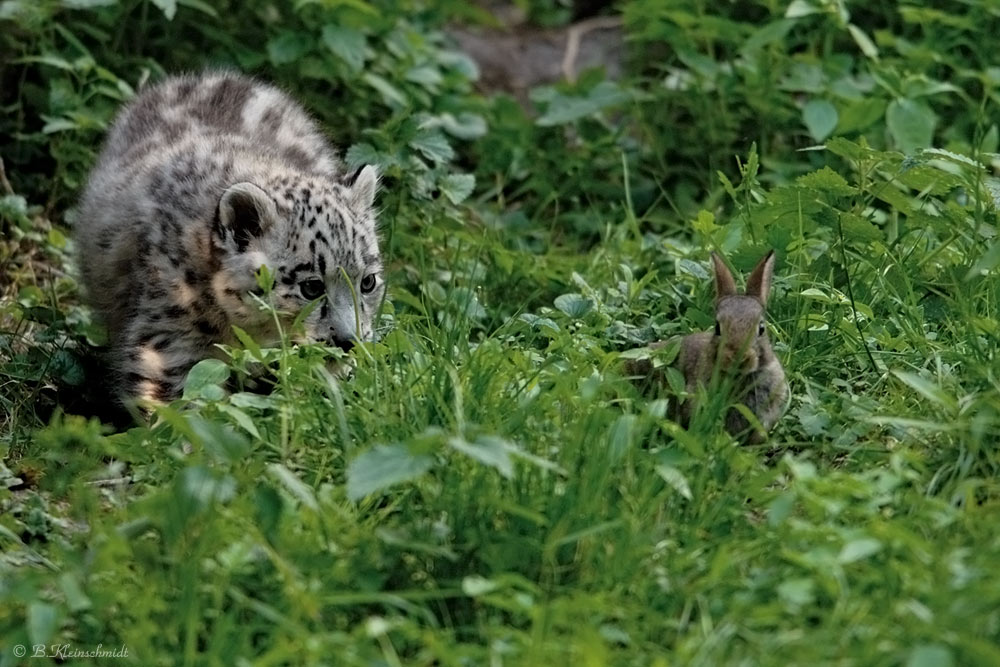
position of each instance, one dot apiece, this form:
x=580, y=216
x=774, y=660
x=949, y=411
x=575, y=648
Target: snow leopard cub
x=202, y=180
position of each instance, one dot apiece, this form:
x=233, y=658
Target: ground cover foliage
x=489, y=488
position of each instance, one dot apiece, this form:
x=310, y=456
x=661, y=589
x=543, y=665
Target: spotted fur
x=202, y=180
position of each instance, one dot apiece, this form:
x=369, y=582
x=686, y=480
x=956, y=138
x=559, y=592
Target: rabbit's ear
x=724, y=283
x=759, y=282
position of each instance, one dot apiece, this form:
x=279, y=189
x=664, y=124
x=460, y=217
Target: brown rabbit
x=737, y=355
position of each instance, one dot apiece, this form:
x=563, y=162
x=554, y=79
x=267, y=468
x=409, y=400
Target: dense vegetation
x=489, y=488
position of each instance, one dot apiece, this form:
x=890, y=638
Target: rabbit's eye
x=760, y=328
x=718, y=329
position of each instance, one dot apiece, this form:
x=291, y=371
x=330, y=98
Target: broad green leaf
x=457, y=187
x=621, y=437
x=797, y=592
x=929, y=179
x=359, y=155
x=991, y=140
x=911, y=124
x=15, y=209
x=536, y=461
x=574, y=305
x=858, y=229
x=780, y=508
x=206, y=373
x=930, y=655
x=675, y=380
x=168, y=7
x=425, y=75
x=348, y=45
x=827, y=180
x=928, y=15
x=56, y=238
x=813, y=419
x=54, y=125
x=845, y=148
x=727, y=184
x=218, y=438
x=988, y=261
x=47, y=59
x=265, y=278
x=383, y=466
x=90, y=4
x=248, y=342
x=287, y=47
x=863, y=41
x=614, y=634
x=951, y=156
x=704, y=223
x=800, y=468
x=295, y=486
x=434, y=146
x=805, y=78
x=676, y=479
x=542, y=323
x=860, y=114
x=459, y=63
x=268, y=506
x=820, y=118
x=467, y=302
x=770, y=33
x=666, y=354
x=66, y=366
x=799, y=8
x=30, y=12
x=76, y=599
x=241, y=418
x=489, y=450
x=564, y=109
x=475, y=585
x=201, y=6
x=463, y=126
x=245, y=399
x=391, y=95
x=43, y=618
x=30, y=296
x=927, y=389
x=204, y=487
x=859, y=549
x=920, y=86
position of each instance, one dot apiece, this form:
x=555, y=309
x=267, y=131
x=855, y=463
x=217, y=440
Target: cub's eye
x=718, y=329
x=313, y=288
x=760, y=328
x=368, y=283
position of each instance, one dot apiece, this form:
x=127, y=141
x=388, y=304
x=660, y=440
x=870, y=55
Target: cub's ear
x=362, y=187
x=246, y=212
x=759, y=282
x=724, y=283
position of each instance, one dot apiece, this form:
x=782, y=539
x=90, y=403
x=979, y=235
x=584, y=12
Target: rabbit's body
x=737, y=356
x=763, y=390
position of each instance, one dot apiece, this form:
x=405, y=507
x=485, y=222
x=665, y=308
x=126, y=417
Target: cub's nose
x=344, y=344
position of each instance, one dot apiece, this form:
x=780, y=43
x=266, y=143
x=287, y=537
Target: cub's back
x=227, y=112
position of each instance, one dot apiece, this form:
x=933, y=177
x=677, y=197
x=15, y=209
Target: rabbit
x=737, y=355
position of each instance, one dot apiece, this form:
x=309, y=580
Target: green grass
x=488, y=487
